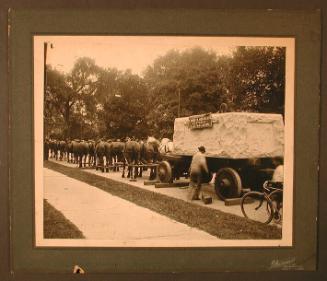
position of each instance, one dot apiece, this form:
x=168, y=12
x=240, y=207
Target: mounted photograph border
x=304, y=26
x=42, y=186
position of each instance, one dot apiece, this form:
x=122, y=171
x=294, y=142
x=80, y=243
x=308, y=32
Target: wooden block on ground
x=162, y=184
x=151, y=182
x=174, y=184
x=233, y=201
x=181, y=184
x=206, y=199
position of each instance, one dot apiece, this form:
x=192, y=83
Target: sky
x=133, y=52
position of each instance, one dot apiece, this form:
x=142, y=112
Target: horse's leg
x=151, y=173
x=120, y=158
x=124, y=166
x=116, y=167
x=136, y=162
x=113, y=162
x=102, y=163
x=140, y=171
x=96, y=161
x=107, y=163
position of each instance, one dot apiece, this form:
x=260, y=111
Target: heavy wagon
x=240, y=148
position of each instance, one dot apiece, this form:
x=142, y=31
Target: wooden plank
x=174, y=184
x=233, y=201
x=143, y=165
x=151, y=182
x=236, y=201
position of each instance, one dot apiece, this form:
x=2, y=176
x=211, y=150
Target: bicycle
x=264, y=206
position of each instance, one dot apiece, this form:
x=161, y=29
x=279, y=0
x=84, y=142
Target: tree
x=125, y=107
x=91, y=101
x=257, y=79
x=196, y=75
x=71, y=95
x=58, y=94
x=83, y=83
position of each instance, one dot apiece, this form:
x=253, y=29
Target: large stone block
x=235, y=135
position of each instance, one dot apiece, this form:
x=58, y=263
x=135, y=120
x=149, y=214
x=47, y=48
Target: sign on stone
x=200, y=121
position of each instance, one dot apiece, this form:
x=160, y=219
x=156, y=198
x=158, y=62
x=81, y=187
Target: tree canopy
x=91, y=101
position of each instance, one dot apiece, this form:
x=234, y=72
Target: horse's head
x=166, y=146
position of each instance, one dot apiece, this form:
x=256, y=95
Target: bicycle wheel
x=276, y=198
x=257, y=206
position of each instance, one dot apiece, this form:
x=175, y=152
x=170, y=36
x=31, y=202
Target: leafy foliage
x=257, y=79
x=91, y=101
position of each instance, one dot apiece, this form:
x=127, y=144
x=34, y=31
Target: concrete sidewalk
x=175, y=192
x=100, y=215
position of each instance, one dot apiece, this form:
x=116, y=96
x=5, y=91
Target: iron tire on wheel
x=165, y=173
x=228, y=184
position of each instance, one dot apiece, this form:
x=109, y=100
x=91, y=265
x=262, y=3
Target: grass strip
x=57, y=226
x=215, y=222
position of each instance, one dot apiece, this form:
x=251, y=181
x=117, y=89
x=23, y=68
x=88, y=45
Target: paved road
x=100, y=215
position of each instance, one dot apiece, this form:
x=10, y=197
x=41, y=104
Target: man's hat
x=202, y=149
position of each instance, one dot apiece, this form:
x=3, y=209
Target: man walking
x=198, y=167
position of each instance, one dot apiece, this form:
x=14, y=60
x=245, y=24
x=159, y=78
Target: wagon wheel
x=228, y=183
x=165, y=173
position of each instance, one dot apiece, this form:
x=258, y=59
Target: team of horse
x=135, y=155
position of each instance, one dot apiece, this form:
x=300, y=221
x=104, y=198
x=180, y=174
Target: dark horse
x=70, y=152
x=107, y=154
x=99, y=154
x=132, y=152
x=80, y=150
x=116, y=154
x=150, y=155
x=91, y=152
x=61, y=149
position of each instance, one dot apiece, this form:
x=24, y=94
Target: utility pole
x=45, y=67
x=45, y=123
x=45, y=77
x=179, y=102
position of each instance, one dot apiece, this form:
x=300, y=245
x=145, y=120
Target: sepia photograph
x=163, y=141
